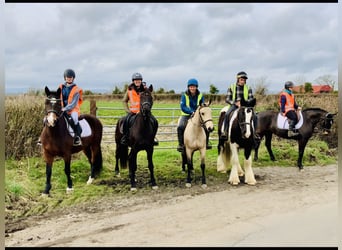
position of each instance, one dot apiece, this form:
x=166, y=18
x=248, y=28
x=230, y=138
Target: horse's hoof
x=133, y=189
x=69, y=190
x=204, y=186
x=154, y=187
x=188, y=185
x=44, y=195
x=117, y=174
x=90, y=180
x=251, y=183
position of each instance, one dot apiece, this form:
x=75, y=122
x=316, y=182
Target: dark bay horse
x=240, y=136
x=143, y=130
x=57, y=141
x=311, y=118
x=195, y=139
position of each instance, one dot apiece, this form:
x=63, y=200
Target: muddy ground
x=271, y=213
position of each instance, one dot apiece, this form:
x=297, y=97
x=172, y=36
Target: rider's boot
x=77, y=138
x=291, y=132
x=180, y=147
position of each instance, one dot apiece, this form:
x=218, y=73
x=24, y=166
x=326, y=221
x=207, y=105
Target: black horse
x=143, y=129
x=241, y=135
x=311, y=118
x=57, y=141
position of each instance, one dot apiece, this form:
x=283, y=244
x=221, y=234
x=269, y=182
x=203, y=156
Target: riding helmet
x=288, y=84
x=137, y=76
x=192, y=82
x=241, y=74
x=69, y=73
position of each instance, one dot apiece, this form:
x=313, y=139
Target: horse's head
x=327, y=122
x=146, y=101
x=245, y=119
x=53, y=106
x=205, y=116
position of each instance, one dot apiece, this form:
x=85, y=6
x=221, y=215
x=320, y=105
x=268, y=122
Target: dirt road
x=285, y=208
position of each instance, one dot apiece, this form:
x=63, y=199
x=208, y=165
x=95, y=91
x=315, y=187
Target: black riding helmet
x=137, y=76
x=289, y=84
x=241, y=74
x=69, y=73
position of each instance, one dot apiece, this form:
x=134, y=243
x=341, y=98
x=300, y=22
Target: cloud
x=105, y=43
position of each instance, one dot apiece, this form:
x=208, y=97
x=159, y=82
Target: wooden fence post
x=93, y=107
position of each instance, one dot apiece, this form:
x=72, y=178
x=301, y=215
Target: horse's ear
x=150, y=88
x=47, y=91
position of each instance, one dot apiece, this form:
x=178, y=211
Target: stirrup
x=77, y=141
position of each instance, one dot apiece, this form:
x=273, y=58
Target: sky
x=169, y=43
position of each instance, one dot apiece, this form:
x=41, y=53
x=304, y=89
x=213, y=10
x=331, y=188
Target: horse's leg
x=184, y=160
x=94, y=155
x=67, y=161
x=234, y=177
x=117, y=158
x=202, y=153
x=268, y=141
x=301, y=147
x=221, y=164
x=132, y=163
x=189, y=157
x=48, y=178
x=149, y=152
x=256, y=148
x=249, y=175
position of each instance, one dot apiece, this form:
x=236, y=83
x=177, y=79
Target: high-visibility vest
x=245, y=92
x=134, y=99
x=187, y=101
x=290, y=101
x=71, y=96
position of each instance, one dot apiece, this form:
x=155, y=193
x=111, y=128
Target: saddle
x=283, y=121
x=86, y=130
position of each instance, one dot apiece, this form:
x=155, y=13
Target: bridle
x=54, y=102
x=202, y=122
x=242, y=123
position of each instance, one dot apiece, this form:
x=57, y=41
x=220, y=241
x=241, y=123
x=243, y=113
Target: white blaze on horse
x=200, y=124
x=240, y=135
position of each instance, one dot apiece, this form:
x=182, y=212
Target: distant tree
x=326, y=79
x=308, y=87
x=260, y=86
x=160, y=91
x=213, y=89
x=171, y=91
x=87, y=92
x=116, y=91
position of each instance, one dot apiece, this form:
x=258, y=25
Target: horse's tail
x=98, y=162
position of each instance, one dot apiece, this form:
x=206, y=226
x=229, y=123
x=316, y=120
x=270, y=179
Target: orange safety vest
x=134, y=99
x=290, y=101
x=71, y=96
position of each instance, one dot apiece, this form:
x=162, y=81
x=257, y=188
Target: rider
x=190, y=100
x=288, y=107
x=238, y=93
x=132, y=96
x=71, y=96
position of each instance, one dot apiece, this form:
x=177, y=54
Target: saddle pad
x=86, y=130
x=283, y=123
